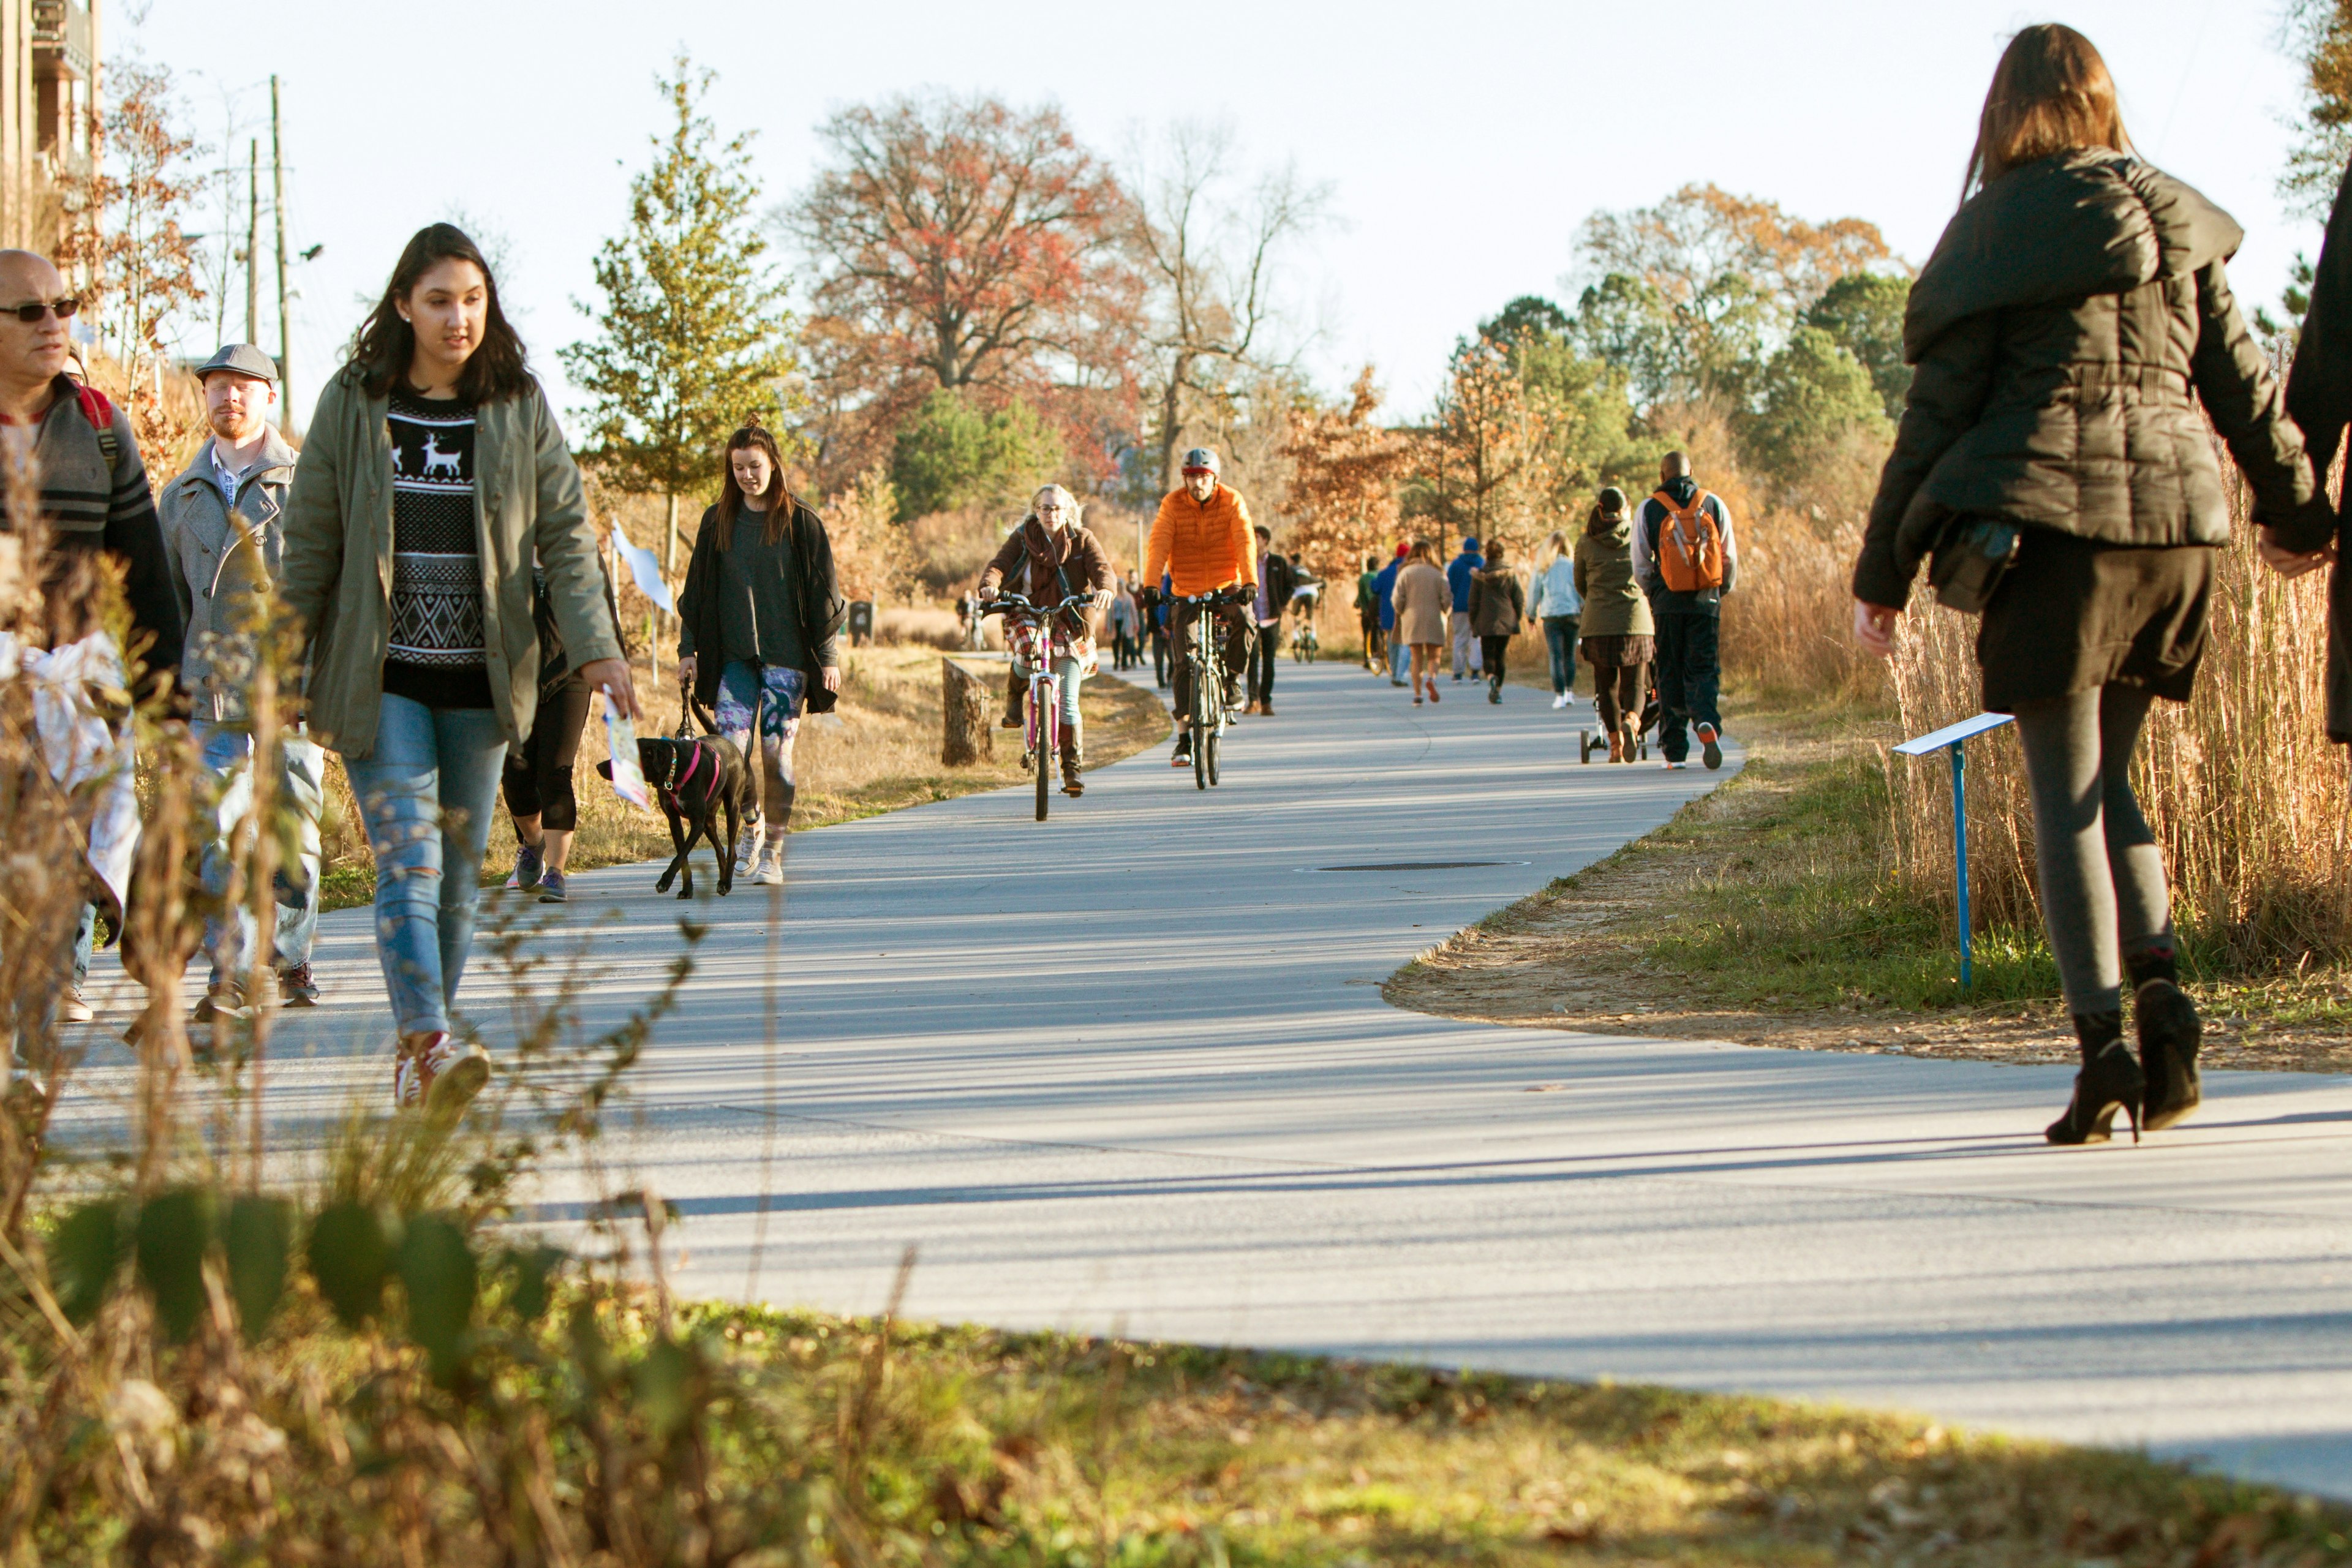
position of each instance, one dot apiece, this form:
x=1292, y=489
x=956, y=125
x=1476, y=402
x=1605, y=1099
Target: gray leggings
x=2103, y=894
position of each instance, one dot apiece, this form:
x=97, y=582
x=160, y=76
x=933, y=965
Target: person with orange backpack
x=1685, y=558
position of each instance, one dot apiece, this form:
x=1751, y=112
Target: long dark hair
x=779, y=523
x=2049, y=93
x=385, y=344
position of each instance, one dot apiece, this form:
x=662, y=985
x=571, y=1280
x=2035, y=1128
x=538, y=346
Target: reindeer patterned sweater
x=436, y=655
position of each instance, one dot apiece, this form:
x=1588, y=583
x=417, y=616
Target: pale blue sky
x=1464, y=142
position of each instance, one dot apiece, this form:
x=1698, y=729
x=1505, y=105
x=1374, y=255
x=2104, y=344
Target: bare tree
x=1214, y=254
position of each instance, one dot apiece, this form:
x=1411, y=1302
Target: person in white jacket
x=1554, y=603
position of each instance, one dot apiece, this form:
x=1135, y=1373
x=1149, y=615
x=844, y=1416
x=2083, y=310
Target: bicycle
x=1304, y=644
x=1208, y=720
x=1030, y=637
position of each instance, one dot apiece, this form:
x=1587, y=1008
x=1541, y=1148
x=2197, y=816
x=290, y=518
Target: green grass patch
x=1795, y=907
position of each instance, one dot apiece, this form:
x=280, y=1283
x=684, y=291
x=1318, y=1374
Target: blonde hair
x=1071, y=513
x=1554, y=548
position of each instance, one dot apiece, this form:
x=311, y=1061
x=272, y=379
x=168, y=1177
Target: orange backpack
x=1690, y=546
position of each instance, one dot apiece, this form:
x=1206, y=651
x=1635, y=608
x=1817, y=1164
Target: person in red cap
x=1202, y=538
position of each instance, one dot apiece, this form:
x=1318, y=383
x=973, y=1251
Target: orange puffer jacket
x=1201, y=545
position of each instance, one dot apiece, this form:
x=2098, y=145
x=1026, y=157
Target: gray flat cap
x=243, y=358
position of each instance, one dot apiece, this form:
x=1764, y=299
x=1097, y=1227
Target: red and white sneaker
x=1710, y=751
x=436, y=1071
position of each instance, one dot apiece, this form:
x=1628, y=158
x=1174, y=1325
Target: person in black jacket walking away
x=1276, y=581
x=1497, y=604
x=2320, y=400
x=1687, y=559
x=2073, y=318
x=758, y=624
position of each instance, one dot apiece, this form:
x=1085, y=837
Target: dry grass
x=2247, y=795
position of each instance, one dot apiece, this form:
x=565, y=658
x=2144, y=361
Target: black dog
x=693, y=777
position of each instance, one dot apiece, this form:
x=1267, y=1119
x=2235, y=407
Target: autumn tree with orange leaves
x=1695, y=292
x=1345, y=474
x=960, y=244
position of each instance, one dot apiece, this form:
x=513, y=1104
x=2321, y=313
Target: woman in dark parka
x=2072, y=319
x=758, y=626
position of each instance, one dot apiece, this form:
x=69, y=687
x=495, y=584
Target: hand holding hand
x=1873, y=627
x=2289, y=564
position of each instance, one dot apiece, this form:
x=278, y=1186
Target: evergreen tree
x=695, y=337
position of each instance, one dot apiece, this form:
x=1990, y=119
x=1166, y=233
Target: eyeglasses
x=31, y=313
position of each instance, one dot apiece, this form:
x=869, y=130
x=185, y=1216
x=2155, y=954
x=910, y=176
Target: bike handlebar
x=1015, y=601
x=1230, y=596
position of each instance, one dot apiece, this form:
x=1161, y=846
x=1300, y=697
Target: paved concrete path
x=1129, y=1070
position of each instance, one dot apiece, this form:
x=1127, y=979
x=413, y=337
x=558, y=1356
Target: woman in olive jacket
x=433, y=474
x=1618, y=636
x=2072, y=318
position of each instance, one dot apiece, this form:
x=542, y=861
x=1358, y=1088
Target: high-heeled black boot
x=2169, y=1034
x=2110, y=1081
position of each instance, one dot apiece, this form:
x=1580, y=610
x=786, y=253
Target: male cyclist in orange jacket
x=1202, y=538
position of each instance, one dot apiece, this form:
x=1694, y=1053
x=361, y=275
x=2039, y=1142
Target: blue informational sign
x=1954, y=739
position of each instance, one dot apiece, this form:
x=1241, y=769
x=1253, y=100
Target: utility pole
x=277, y=210
x=252, y=242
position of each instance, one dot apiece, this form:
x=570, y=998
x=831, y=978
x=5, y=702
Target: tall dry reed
x=2247, y=795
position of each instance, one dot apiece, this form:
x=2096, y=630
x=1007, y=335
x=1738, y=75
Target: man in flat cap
x=223, y=522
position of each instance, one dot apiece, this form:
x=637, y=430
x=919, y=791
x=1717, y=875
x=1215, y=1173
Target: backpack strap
x=101, y=414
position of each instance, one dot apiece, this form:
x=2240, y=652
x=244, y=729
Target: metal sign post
x=1954, y=737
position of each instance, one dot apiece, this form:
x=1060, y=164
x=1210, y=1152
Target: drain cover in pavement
x=1418, y=866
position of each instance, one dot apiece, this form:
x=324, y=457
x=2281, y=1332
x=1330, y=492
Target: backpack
x=1690, y=546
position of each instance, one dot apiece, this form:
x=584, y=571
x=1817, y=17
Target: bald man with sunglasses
x=93, y=487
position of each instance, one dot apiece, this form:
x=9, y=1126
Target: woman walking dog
x=434, y=449
x=756, y=628
x=2054, y=460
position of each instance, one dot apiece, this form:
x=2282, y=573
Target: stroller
x=1593, y=738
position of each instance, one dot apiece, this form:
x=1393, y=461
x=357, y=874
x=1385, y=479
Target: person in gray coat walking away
x=2075, y=333
x=224, y=526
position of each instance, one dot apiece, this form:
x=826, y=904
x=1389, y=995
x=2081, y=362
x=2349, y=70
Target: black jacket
x=2073, y=318
x=2319, y=398
x=1281, y=582
x=815, y=590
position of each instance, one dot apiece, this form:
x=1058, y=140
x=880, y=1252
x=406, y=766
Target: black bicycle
x=1208, y=719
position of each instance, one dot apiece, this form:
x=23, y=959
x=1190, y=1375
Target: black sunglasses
x=31, y=314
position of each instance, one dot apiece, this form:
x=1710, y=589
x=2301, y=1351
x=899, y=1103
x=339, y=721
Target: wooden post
x=277, y=212
x=968, y=716
x=253, y=243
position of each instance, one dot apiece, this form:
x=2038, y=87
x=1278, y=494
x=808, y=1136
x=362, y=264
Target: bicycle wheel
x=1041, y=725
x=1209, y=746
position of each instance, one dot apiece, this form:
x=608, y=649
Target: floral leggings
x=769, y=697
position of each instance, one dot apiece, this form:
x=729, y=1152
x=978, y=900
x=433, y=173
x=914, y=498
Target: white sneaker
x=770, y=872
x=72, y=1008
x=747, y=853
x=1560, y=701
